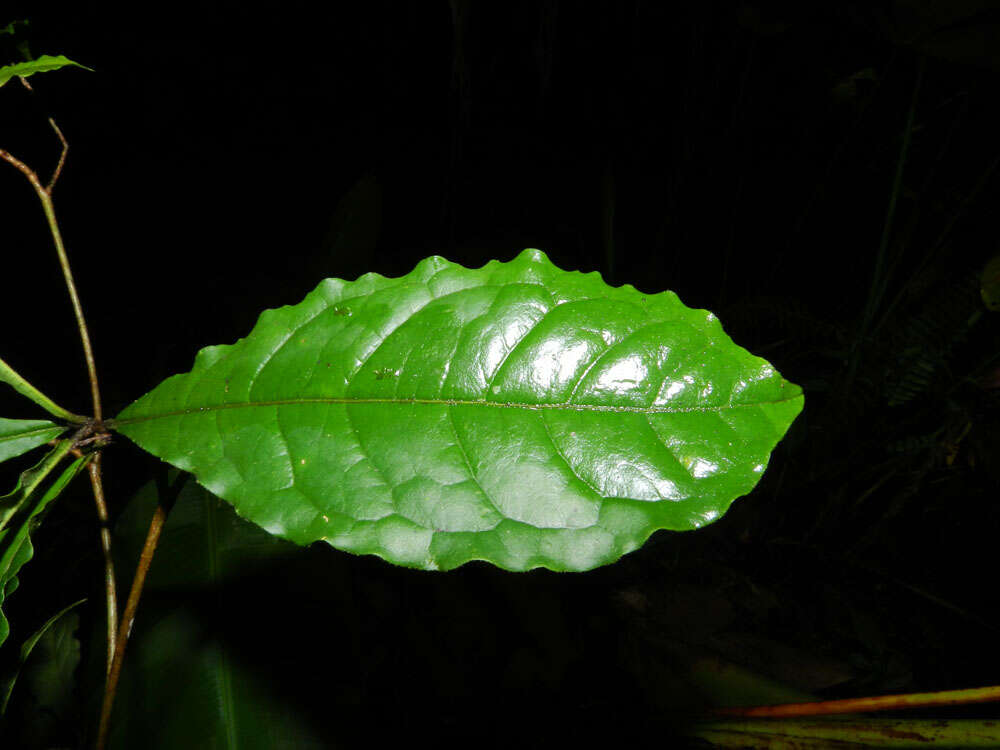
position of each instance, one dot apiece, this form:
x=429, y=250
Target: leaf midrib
x=115, y=423
x=30, y=433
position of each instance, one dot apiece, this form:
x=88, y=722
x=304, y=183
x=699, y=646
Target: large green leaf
x=514, y=413
x=19, y=436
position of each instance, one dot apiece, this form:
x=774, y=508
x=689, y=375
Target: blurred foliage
x=45, y=711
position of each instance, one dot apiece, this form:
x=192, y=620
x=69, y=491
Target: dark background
x=744, y=155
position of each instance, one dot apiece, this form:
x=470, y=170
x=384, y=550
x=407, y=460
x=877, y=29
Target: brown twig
x=145, y=558
x=62, y=157
x=62, y=139
x=871, y=703
x=110, y=590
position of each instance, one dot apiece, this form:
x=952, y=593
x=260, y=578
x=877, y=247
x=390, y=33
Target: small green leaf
x=18, y=436
x=514, y=413
x=42, y=64
x=26, y=389
x=21, y=511
x=29, y=481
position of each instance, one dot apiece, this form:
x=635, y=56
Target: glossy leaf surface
x=514, y=413
x=18, y=436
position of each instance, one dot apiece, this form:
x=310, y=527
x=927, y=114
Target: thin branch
x=110, y=590
x=62, y=157
x=45, y=196
x=62, y=139
x=116, y=636
x=840, y=732
x=145, y=558
x=88, y=351
x=872, y=703
x=24, y=168
x=166, y=497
